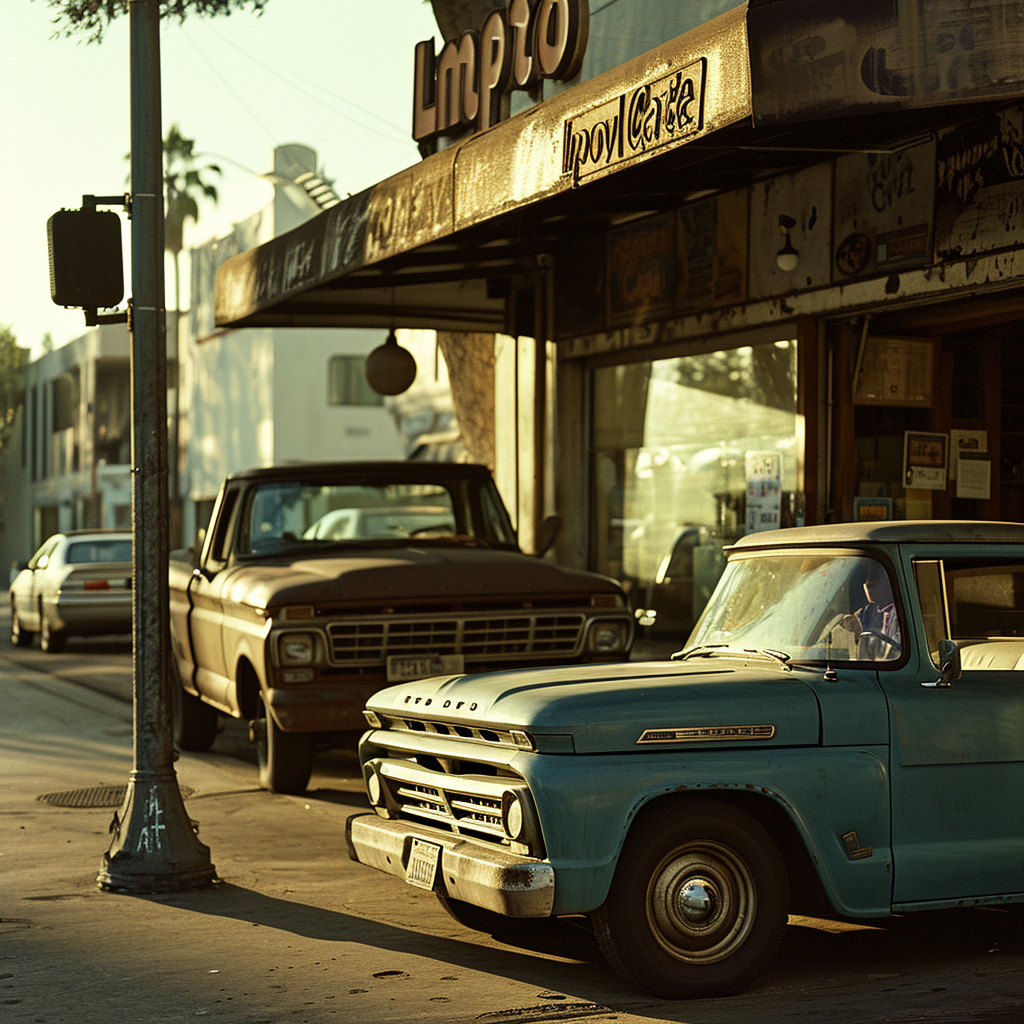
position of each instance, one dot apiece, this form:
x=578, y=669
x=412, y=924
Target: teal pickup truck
x=843, y=734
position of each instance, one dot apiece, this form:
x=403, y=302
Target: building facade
x=68, y=463
x=752, y=265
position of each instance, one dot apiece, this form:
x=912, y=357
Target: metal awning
x=436, y=245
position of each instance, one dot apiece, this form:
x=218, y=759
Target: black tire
x=20, y=637
x=735, y=881
x=195, y=723
x=285, y=758
x=50, y=640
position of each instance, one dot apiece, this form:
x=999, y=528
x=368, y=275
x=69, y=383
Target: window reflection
x=671, y=440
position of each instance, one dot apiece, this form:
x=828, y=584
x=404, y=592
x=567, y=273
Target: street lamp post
x=154, y=846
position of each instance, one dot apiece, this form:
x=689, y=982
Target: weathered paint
x=514, y=164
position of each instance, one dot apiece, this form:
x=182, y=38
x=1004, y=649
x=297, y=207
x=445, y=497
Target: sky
x=335, y=75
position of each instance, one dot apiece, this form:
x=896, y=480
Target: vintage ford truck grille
x=462, y=805
x=476, y=638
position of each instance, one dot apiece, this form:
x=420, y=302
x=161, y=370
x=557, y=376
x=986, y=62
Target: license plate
x=423, y=861
x=402, y=667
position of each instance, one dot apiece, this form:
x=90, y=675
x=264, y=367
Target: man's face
x=876, y=589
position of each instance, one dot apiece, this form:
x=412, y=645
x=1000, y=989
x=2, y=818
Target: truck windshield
x=812, y=607
x=283, y=515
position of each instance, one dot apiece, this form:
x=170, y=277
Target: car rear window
x=100, y=551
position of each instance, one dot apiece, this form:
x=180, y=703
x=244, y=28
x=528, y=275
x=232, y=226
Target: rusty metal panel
x=815, y=59
x=713, y=245
x=805, y=198
x=883, y=211
x=979, y=203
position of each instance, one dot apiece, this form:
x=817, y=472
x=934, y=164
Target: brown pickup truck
x=317, y=585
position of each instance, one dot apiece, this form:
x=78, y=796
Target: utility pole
x=154, y=846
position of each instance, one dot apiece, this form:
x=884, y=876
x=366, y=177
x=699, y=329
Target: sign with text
x=467, y=87
x=635, y=123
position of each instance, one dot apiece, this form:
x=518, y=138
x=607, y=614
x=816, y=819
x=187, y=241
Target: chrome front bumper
x=503, y=882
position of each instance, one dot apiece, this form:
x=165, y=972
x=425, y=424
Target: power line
x=318, y=92
x=234, y=92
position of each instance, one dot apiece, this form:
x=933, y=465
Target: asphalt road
x=951, y=967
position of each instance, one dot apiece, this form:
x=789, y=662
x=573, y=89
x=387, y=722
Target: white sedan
x=78, y=583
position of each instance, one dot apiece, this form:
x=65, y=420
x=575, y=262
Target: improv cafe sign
x=467, y=87
x=635, y=122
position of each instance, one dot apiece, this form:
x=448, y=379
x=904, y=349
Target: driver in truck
x=876, y=626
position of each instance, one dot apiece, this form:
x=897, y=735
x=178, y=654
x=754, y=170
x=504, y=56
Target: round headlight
x=607, y=637
x=512, y=815
x=373, y=788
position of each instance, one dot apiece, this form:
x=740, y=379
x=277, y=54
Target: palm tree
x=183, y=182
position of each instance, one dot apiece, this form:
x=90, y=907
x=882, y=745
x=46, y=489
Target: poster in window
x=764, y=490
x=894, y=371
x=924, y=460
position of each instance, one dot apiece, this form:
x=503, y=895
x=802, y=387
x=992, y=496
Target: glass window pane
x=674, y=441
x=812, y=607
x=347, y=383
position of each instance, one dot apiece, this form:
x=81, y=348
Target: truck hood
x=610, y=707
x=436, y=573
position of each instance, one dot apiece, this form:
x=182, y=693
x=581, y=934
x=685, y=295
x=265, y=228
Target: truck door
x=206, y=604
x=958, y=749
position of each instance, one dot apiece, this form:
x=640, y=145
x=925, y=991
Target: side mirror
x=950, y=668
x=549, y=531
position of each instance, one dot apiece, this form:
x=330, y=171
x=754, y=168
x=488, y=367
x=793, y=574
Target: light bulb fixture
x=389, y=368
x=788, y=256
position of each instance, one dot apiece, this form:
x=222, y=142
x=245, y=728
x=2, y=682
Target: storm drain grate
x=98, y=796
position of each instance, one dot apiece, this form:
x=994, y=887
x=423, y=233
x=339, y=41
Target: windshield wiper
x=708, y=650
x=701, y=651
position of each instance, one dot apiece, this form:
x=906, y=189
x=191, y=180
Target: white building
x=265, y=396
x=68, y=462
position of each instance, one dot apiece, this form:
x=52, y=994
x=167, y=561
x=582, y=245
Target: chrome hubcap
x=698, y=900
x=701, y=902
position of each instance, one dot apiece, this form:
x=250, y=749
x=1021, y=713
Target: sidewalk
x=293, y=931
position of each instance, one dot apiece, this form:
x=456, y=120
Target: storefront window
x=690, y=453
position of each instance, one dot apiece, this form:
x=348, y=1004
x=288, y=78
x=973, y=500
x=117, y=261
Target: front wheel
x=698, y=904
x=285, y=758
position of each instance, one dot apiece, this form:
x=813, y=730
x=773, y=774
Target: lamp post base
x=155, y=847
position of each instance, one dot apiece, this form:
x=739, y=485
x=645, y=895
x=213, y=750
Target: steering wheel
x=894, y=644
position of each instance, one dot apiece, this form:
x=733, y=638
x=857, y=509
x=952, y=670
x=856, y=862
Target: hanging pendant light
x=390, y=369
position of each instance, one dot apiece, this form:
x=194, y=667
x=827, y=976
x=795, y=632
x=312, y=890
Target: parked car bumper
x=85, y=615
x=499, y=881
